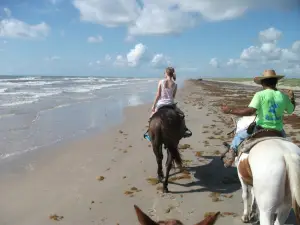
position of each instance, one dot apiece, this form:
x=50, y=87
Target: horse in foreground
x=165, y=128
x=271, y=168
x=146, y=220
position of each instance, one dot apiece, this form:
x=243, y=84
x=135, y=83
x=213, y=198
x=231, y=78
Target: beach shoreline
x=97, y=179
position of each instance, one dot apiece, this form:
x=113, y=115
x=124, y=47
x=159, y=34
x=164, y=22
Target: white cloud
x=129, y=38
x=293, y=70
x=270, y=35
x=96, y=39
x=7, y=12
x=160, y=61
x=14, y=28
x=153, y=17
x=107, y=58
x=108, y=13
x=120, y=61
x=214, y=62
x=101, y=62
x=159, y=21
x=296, y=46
x=53, y=58
x=268, y=54
x=55, y=2
x=136, y=54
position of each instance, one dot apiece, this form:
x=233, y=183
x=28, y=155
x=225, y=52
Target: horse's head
x=146, y=220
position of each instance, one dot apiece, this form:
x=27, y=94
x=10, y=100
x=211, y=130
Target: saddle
x=164, y=107
x=260, y=135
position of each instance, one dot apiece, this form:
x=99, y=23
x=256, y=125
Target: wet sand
x=98, y=180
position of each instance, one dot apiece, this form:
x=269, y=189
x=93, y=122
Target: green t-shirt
x=270, y=106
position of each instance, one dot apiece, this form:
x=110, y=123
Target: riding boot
x=186, y=132
x=229, y=158
x=227, y=146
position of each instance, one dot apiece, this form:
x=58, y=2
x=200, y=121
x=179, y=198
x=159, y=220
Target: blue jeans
x=241, y=136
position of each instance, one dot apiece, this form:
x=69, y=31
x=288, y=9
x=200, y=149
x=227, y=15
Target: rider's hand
x=153, y=109
x=225, y=109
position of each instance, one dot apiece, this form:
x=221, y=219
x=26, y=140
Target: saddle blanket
x=248, y=144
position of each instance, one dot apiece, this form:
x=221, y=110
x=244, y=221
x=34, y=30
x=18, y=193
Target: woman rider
x=269, y=105
x=165, y=95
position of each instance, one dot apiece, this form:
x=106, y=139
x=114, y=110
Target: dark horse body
x=165, y=128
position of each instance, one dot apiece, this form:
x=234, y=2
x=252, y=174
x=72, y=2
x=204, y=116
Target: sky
x=199, y=38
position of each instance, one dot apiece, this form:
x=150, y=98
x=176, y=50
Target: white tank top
x=166, y=95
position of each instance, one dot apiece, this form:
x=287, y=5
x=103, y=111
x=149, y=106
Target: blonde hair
x=170, y=71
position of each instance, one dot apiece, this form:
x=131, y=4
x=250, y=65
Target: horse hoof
x=160, y=178
x=165, y=190
x=245, y=219
x=254, y=218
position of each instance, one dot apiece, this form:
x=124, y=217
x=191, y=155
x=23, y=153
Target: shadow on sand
x=212, y=177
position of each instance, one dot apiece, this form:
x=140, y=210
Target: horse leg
x=254, y=210
x=246, y=217
x=283, y=214
x=284, y=210
x=168, y=168
x=266, y=218
x=157, y=149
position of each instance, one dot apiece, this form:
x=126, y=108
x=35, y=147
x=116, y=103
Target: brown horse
x=166, y=128
x=146, y=220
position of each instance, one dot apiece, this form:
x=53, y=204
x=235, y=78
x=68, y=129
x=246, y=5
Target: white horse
x=272, y=170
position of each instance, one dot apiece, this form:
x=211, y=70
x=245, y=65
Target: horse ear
x=143, y=218
x=210, y=220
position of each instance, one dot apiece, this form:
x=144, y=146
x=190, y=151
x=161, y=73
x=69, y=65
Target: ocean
x=36, y=112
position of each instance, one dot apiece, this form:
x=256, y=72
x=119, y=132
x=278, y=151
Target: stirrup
x=146, y=136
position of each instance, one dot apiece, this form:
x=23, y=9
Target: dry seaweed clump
x=153, y=181
x=229, y=214
x=55, y=217
x=100, y=178
x=215, y=197
x=199, y=154
x=184, y=146
x=132, y=191
x=180, y=177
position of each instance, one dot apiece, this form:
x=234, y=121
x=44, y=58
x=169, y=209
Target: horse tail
x=292, y=162
x=176, y=156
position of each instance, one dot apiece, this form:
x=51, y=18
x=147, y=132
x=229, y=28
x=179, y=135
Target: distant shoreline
x=291, y=83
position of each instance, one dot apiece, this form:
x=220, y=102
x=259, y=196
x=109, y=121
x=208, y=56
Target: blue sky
x=236, y=38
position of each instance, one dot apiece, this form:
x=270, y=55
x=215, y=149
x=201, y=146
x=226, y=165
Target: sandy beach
x=97, y=180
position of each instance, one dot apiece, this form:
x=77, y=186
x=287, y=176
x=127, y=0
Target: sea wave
x=15, y=103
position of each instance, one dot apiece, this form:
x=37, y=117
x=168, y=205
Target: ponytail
x=171, y=72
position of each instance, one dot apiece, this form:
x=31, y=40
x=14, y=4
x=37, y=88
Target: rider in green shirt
x=269, y=105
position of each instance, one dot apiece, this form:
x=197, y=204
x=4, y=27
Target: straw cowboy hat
x=266, y=75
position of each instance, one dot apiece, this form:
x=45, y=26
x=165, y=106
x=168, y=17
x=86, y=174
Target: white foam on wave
x=29, y=83
x=2, y=90
x=88, y=88
x=89, y=80
x=16, y=103
x=45, y=94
